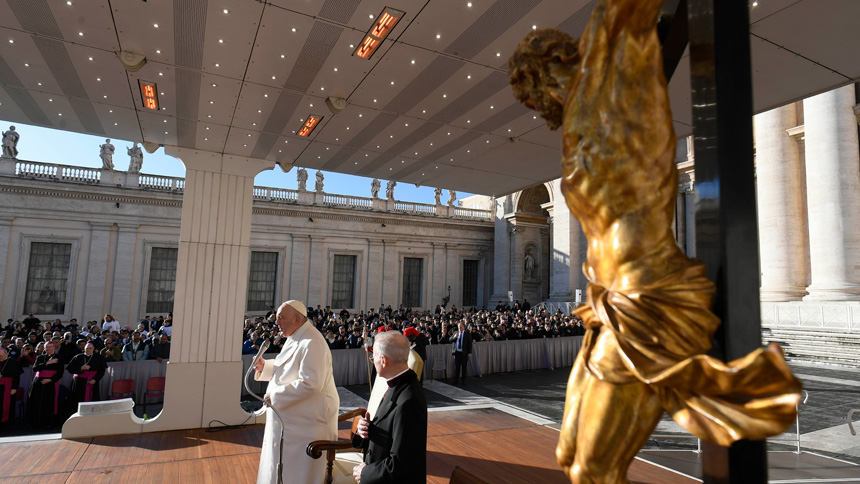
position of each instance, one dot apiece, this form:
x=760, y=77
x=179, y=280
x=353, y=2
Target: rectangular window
x=470, y=283
x=261, y=282
x=343, y=282
x=162, y=280
x=47, y=277
x=412, y=281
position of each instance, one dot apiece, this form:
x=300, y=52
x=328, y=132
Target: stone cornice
x=377, y=218
x=797, y=132
x=96, y=197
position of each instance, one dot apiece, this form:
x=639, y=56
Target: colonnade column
x=780, y=206
x=833, y=195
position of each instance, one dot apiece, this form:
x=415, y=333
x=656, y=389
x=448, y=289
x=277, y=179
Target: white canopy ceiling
x=431, y=106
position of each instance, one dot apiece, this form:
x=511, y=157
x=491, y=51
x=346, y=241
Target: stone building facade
x=79, y=243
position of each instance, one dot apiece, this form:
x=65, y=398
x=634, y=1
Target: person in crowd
x=68, y=347
x=110, y=323
x=87, y=370
x=161, y=349
x=462, y=350
x=252, y=345
x=43, y=405
x=57, y=326
x=14, y=347
x=135, y=350
x=111, y=352
x=31, y=322
x=344, y=315
x=355, y=340
x=10, y=378
x=301, y=390
x=395, y=441
x=167, y=327
x=413, y=336
x=28, y=356
x=146, y=323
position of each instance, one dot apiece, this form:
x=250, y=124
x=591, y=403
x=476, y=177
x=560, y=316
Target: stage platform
x=495, y=445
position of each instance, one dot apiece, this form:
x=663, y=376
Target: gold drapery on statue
x=648, y=316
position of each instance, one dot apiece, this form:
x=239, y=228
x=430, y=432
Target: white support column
x=5, y=278
x=833, y=195
x=780, y=206
x=566, y=250
x=205, y=365
x=501, y=253
x=123, y=269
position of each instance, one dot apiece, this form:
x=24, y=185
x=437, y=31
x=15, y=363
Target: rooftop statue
x=302, y=178
x=319, y=184
x=136, y=161
x=452, y=195
x=389, y=189
x=437, y=193
x=648, y=310
x=106, y=153
x=374, y=188
x=10, y=143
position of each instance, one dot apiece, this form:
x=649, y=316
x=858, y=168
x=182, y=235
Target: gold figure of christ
x=648, y=316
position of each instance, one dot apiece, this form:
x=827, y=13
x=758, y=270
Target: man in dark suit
x=462, y=350
x=395, y=440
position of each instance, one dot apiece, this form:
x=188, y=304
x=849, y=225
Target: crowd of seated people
x=344, y=330
x=52, y=348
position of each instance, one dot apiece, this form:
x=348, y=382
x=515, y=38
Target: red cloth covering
x=6, y=382
x=87, y=375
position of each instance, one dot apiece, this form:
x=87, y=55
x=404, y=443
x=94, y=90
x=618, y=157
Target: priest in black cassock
x=43, y=406
x=87, y=370
x=10, y=377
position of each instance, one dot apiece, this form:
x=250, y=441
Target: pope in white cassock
x=301, y=389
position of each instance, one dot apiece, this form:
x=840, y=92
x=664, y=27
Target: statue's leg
x=608, y=423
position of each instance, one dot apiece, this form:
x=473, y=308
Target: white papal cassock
x=302, y=390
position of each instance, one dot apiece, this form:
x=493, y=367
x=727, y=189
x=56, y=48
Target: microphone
x=259, y=354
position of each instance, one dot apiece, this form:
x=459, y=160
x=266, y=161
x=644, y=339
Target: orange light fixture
x=308, y=127
x=148, y=94
x=377, y=32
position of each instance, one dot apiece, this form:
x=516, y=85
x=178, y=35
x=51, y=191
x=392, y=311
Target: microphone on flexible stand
x=257, y=357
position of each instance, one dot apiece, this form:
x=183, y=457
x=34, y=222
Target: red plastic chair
x=122, y=389
x=154, y=389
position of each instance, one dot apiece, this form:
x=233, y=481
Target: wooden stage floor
x=494, y=445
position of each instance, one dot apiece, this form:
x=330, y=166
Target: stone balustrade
x=142, y=181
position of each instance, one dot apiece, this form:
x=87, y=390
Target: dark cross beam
x=726, y=230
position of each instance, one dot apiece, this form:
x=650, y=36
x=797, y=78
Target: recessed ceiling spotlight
x=322, y=89
x=110, y=111
x=449, y=134
x=377, y=146
x=509, y=130
x=356, y=163
x=209, y=116
x=50, y=100
x=285, y=142
x=390, y=169
x=26, y=65
x=293, y=29
x=220, y=41
x=39, y=83
x=469, y=4
x=115, y=124
x=438, y=36
x=59, y=114
x=326, y=148
x=413, y=61
x=360, y=115
x=162, y=94
x=11, y=41
x=416, y=152
x=534, y=27
x=347, y=128
x=157, y=51
x=165, y=120
x=160, y=73
x=91, y=58
x=370, y=16
x=335, y=69
x=406, y=124
x=402, y=161
x=155, y=25
x=468, y=151
x=280, y=151
x=374, y=100
x=352, y=46
x=274, y=77
x=69, y=2
x=205, y=139
x=259, y=111
x=755, y=4
x=207, y=128
x=99, y=79
x=491, y=107
x=498, y=54
x=211, y=102
x=431, y=144
x=282, y=56
x=392, y=83
x=487, y=140
x=165, y=132
x=265, y=95
x=469, y=76
x=391, y=136
x=468, y=121
x=81, y=34
x=249, y=135
x=225, y=11
x=214, y=85
x=217, y=65
x=444, y=95
x=245, y=145
x=534, y=117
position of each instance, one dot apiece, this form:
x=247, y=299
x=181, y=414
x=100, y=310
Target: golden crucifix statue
x=648, y=316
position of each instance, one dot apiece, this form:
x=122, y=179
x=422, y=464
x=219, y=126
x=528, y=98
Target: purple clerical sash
x=49, y=374
x=87, y=375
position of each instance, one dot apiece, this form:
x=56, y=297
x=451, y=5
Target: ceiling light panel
x=219, y=101
x=134, y=27
x=275, y=39
x=22, y=51
x=152, y=126
x=395, y=66
x=92, y=17
x=446, y=19
x=237, y=30
x=105, y=66
x=239, y=142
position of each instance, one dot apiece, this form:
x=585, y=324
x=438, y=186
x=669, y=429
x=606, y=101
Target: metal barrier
x=850, y=423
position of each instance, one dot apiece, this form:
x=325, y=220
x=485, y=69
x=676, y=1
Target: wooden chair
x=122, y=389
x=154, y=389
x=332, y=447
x=460, y=476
